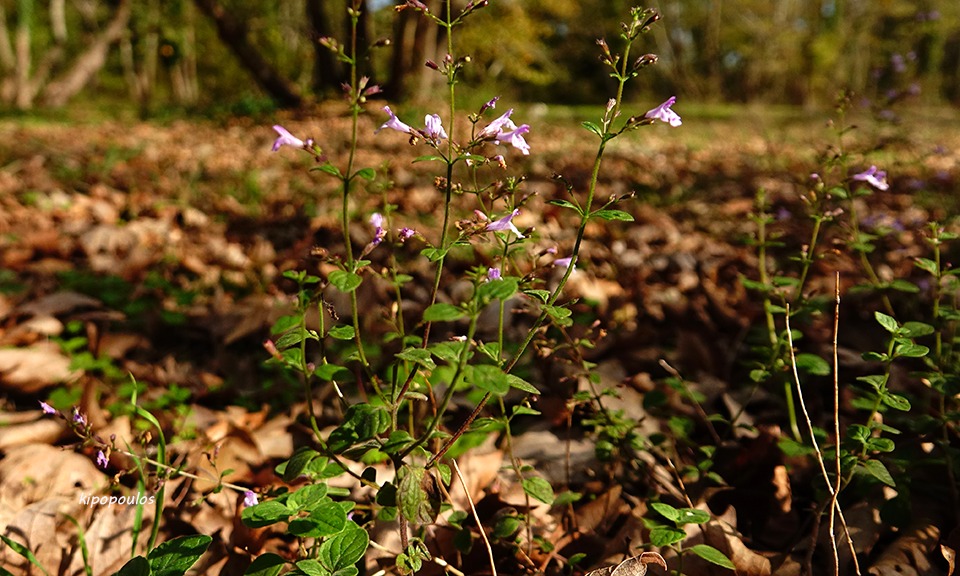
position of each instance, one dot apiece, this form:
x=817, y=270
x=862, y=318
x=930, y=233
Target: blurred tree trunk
x=23, y=93
x=415, y=40
x=233, y=33
x=89, y=62
x=327, y=71
x=8, y=61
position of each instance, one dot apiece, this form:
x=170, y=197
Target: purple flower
x=250, y=499
x=492, y=103
x=376, y=220
x=515, y=137
x=564, y=262
x=79, y=418
x=102, y=459
x=434, y=127
x=505, y=223
x=493, y=274
x=873, y=177
x=47, y=409
x=664, y=113
x=286, y=139
x=406, y=233
x=493, y=129
x=395, y=123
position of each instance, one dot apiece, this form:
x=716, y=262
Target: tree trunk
x=327, y=71
x=234, y=34
x=89, y=62
x=23, y=95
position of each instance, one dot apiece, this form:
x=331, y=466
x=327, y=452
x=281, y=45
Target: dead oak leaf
x=636, y=566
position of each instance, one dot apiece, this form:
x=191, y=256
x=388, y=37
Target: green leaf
x=345, y=332
x=666, y=510
x=488, y=378
x=539, y=489
x=880, y=444
x=557, y=312
x=345, y=281
x=346, y=548
x=567, y=204
x=916, y=329
x=876, y=469
x=813, y=364
x=331, y=372
x=326, y=519
x=296, y=464
x=285, y=323
x=23, y=551
x=442, y=312
x=265, y=514
x=428, y=158
x=693, y=516
x=366, y=173
x=896, y=401
x=136, y=566
x=361, y=422
x=902, y=285
x=307, y=497
x=910, y=350
x=268, y=564
x=592, y=127
x=397, y=442
x=412, y=498
x=888, y=322
x=433, y=254
x=501, y=289
x=542, y=295
x=712, y=555
x=329, y=169
x=613, y=215
x=312, y=567
x=876, y=381
x=418, y=356
x=175, y=557
x=926, y=265
x=661, y=536
x=521, y=384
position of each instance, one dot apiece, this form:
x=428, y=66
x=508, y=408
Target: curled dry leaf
x=636, y=566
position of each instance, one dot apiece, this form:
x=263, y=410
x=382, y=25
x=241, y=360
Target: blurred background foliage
x=244, y=57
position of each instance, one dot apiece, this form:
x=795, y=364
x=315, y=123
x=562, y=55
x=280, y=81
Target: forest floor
x=150, y=256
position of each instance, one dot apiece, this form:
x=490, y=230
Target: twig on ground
x=476, y=517
x=835, y=505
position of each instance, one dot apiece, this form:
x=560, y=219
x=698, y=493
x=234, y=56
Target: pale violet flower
x=564, y=262
x=873, y=177
x=664, y=113
x=493, y=274
x=406, y=233
x=286, y=139
x=505, y=223
x=250, y=499
x=515, y=138
x=493, y=129
x=434, y=128
x=379, y=233
x=102, y=459
x=47, y=409
x=79, y=418
x=492, y=103
x=394, y=123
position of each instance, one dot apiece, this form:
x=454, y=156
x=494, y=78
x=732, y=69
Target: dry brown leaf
x=59, y=303
x=44, y=430
x=908, y=555
x=33, y=368
x=725, y=538
x=636, y=566
x=949, y=547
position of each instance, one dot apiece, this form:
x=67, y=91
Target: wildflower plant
x=395, y=393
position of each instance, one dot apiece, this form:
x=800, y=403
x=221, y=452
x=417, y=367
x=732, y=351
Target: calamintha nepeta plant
x=395, y=392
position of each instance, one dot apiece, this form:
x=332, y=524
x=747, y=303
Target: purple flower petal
x=47, y=409
x=376, y=220
x=664, y=113
x=250, y=499
x=394, y=123
x=493, y=274
x=286, y=139
x=434, y=127
x=505, y=223
x=79, y=418
x=102, y=459
x=515, y=138
x=493, y=129
x=873, y=177
x=564, y=262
